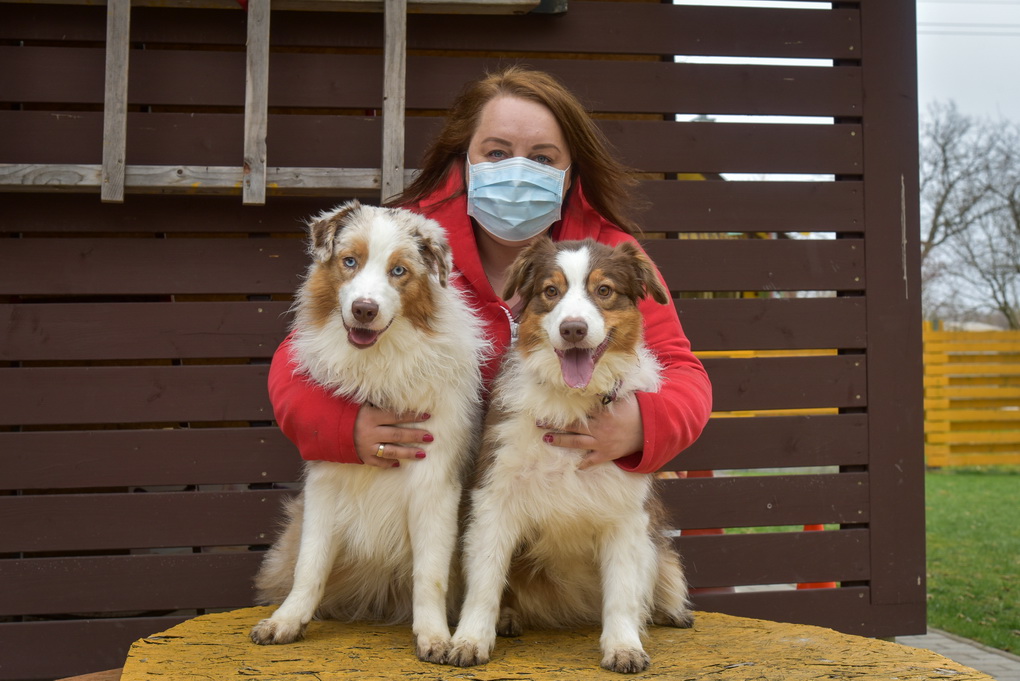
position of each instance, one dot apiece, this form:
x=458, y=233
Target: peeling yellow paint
x=718, y=648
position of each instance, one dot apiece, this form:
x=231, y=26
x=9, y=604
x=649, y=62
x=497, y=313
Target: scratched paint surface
x=718, y=648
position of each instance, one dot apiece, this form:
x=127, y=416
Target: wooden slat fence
x=141, y=471
x=971, y=397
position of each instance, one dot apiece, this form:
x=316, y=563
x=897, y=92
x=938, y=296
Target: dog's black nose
x=364, y=310
x=573, y=330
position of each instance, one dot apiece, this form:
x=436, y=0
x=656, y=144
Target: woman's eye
x=350, y=262
x=545, y=160
x=497, y=154
x=398, y=271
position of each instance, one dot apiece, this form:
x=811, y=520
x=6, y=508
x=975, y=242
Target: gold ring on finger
x=379, y=451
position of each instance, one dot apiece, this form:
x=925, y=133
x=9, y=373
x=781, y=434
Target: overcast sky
x=969, y=51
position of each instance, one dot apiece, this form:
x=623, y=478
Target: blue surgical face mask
x=515, y=199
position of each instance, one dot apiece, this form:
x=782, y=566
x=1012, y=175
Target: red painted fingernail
x=419, y=455
x=427, y=437
x=396, y=464
x=426, y=417
x=548, y=437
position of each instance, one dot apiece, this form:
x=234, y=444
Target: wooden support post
x=394, y=76
x=118, y=29
x=256, y=104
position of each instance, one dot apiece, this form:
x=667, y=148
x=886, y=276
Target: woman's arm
x=674, y=417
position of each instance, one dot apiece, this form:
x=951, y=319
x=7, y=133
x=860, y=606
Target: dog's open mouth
x=578, y=364
x=361, y=337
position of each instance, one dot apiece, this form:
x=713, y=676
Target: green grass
x=974, y=554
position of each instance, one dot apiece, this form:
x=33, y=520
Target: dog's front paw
x=432, y=648
x=273, y=632
x=467, y=654
x=626, y=660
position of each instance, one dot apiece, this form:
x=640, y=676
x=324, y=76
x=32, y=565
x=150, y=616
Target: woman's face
x=509, y=126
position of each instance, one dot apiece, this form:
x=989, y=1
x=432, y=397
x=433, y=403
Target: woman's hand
x=380, y=442
x=607, y=435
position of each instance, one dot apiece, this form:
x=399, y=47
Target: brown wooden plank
x=775, y=558
x=86, y=522
x=698, y=503
x=47, y=650
x=675, y=207
x=737, y=147
x=266, y=266
x=896, y=424
x=151, y=266
x=638, y=28
x=788, y=382
x=96, y=331
x=353, y=142
x=684, y=206
x=773, y=323
x=105, y=675
x=778, y=441
x=79, y=522
x=153, y=214
x=846, y=609
x=215, y=78
x=141, y=458
x=759, y=264
x=101, y=584
x=171, y=582
x=224, y=393
x=139, y=394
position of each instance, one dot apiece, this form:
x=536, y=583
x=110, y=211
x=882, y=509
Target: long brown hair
x=606, y=181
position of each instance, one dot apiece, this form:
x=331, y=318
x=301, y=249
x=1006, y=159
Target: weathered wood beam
x=414, y=6
x=394, y=94
x=192, y=179
x=118, y=29
x=256, y=103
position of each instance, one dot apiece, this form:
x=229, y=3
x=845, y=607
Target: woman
x=517, y=128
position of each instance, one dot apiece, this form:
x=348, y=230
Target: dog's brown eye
x=551, y=291
x=604, y=291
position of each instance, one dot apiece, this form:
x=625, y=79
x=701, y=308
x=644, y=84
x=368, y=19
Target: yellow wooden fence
x=971, y=397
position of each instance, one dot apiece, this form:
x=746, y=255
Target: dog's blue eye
x=350, y=261
x=398, y=271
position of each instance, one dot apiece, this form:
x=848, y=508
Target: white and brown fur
x=570, y=546
x=376, y=321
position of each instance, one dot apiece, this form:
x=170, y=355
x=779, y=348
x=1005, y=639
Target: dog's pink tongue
x=577, y=366
x=362, y=338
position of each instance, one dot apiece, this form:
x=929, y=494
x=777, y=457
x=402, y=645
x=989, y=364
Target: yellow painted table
x=718, y=648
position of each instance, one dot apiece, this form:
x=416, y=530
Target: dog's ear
x=521, y=272
x=323, y=230
x=435, y=249
x=644, y=271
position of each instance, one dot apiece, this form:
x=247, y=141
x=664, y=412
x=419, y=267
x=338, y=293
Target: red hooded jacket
x=322, y=426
